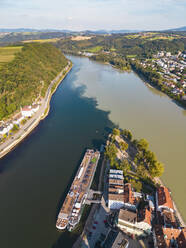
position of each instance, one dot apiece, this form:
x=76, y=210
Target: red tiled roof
x=169, y=218
x=182, y=239
x=145, y=216
x=128, y=194
x=26, y=108
x=164, y=198
x=166, y=236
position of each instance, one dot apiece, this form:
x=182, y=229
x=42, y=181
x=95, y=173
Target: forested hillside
x=28, y=75
x=139, y=45
x=21, y=36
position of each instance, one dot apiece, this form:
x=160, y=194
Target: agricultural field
x=42, y=41
x=95, y=49
x=7, y=53
x=152, y=36
x=79, y=37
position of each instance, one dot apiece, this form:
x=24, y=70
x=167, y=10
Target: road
x=33, y=121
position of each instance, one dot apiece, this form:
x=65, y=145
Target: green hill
x=28, y=75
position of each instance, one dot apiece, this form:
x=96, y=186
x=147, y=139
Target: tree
x=149, y=156
x=135, y=142
x=141, y=171
x=15, y=128
x=156, y=169
x=143, y=144
x=125, y=166
x=110, y=153
x=116, y=131
x=137, y=185
x=127, y=134
x=123, y=146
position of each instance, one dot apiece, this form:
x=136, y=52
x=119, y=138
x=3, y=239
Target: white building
x=116, y=189
x=135, y=223
x=5, y=129
x=27, y=111
x=115, y=201
x=17, y=120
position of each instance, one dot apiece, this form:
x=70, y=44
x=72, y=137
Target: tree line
x=28, y=76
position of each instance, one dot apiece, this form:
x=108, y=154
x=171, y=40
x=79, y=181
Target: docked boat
x=70, y=213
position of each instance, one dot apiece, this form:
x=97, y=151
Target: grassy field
x=42, y=41
x=95, y=49
x=152, y=36
x=7, y=53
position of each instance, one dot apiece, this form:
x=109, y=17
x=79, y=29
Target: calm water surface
x=92, y=99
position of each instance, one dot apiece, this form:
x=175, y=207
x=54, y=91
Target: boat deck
x=70, y=211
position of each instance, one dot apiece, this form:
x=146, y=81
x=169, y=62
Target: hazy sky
x=93, y=14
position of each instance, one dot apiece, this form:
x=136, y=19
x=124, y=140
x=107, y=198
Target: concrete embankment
x=35, y=120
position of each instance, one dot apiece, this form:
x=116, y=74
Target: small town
x=172, y=69
x=7, y=128
x=131, y=212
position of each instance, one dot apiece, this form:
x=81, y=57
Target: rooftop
x=145, y=216
x=170, y=237
x=127, y=215
x=164, y=197
x=169, y=218
x=128, y=194
x=27, y=108
x=116, y=181
x=115, y=197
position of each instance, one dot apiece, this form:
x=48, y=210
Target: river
x=92, y=99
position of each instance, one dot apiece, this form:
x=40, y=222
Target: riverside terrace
x=71, y=210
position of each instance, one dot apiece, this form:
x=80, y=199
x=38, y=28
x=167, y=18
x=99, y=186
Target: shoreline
x=178, y=214
x=36, y=122
x=181, y=103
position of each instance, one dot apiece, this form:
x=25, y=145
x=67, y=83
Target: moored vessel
x=70, y=213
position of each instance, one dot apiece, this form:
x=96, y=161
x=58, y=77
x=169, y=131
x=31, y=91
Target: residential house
x=138, y=223
x=163, y=199
x=130, y=199
x=169, y=237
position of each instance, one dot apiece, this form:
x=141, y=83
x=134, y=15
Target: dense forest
x=28, y=76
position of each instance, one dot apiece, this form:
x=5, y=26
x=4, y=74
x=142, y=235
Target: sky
x=93, y=14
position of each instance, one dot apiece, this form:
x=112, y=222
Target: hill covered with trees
x=28, y=76
x=140, y=45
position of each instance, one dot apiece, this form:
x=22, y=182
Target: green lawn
x=7, y=53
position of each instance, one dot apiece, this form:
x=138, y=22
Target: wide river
x=92, y=99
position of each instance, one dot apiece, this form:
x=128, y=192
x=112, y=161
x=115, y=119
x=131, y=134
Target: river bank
x=178, y=214
x=35, y=120
x=92, y=99
x=180, y=102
